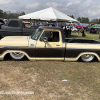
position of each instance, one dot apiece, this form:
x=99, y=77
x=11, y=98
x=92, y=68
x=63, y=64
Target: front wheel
x=87, y=57
x=17, y=55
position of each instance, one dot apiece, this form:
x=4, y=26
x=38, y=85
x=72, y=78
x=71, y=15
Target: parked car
x=73, y=29
x=94, y=30
x=1, y=22
x=15, y=27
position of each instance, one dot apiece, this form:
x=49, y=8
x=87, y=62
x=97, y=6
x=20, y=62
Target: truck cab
x=49, y=41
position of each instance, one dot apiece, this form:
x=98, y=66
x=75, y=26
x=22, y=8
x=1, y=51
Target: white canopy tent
x=49, y=14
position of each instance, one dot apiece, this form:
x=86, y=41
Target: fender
x=9, y=51
x=95, y=54
x=75, y=59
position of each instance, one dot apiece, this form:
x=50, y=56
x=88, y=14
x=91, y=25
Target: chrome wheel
x=87, y=57
x=17, y=55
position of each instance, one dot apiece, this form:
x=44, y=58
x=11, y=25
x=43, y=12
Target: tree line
x=81, y=19
x=9, y=14
x=86, y=20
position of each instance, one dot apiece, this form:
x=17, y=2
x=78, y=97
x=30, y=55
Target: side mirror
x=45, y=39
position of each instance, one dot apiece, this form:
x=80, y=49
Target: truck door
x=52, y=49
x=13, y=28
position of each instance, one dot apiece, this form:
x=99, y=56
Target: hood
x=14, y=41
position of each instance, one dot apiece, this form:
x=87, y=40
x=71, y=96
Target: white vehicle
x=72, y=28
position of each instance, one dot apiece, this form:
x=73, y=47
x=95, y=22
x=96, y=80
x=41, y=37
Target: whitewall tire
x=17, y=55
x=87, y=57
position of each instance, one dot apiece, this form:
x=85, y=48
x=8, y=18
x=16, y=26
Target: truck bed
x=89, y=41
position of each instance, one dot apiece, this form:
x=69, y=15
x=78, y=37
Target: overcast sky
x=78, y=8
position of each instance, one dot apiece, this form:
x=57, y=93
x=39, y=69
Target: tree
x=79, y=19
x=72, y=16
x=20, y=13
x=5, y=15
x=95, y=21
x=1, y=13
x=83, y=19
x=9, y=14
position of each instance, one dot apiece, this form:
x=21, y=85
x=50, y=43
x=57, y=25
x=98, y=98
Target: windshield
x=37, y=34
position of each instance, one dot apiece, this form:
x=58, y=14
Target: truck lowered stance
x=49, y=43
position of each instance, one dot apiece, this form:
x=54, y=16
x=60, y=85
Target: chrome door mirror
x=45, y=40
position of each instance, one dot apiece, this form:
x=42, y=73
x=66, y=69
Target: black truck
x=15, y=27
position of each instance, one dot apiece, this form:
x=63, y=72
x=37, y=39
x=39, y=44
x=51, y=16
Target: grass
x=88, y=35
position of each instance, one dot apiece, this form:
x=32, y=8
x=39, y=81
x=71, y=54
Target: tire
x=17, y=56
x=87, y=57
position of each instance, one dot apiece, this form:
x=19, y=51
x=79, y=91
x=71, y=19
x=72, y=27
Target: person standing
x=65, y=30
x=82, y=31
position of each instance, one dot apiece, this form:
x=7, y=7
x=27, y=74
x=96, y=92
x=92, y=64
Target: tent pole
x=57, y=23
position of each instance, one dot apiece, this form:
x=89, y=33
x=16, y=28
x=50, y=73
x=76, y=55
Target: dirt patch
x=44, y=78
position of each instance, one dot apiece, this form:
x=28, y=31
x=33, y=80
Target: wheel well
x=7, y=56
x=95, y=56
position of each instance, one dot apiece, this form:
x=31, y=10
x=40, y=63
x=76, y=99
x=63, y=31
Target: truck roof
x=48, y=27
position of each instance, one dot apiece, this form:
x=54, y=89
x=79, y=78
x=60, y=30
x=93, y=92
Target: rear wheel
x=17, y=55
x=87, y=57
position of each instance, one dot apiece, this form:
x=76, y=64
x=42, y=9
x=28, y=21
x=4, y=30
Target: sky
x=78, y=8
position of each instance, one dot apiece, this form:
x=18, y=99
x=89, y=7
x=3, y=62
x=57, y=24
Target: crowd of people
x=67, y=28
x=67, y=31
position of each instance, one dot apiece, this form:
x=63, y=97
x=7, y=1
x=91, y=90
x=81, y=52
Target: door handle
x=19, y=28
x=57, y=45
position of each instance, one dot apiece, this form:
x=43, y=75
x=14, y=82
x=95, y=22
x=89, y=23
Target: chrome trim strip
x=60, y=59
x=46, y=47
x=83, y=43
x=31, y=47
x=52, y=47
x=81, y=38
x=82, y=48
x=16, y=47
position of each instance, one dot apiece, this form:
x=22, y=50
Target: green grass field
x=88, y=35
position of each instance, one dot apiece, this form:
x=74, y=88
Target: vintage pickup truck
x=49, y=43
x=15, y=27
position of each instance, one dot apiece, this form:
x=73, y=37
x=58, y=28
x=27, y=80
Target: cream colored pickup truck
x=49, y=43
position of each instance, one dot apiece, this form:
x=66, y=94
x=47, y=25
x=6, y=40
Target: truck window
x=13, y=23
x=36, y=34
x=52, y=36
